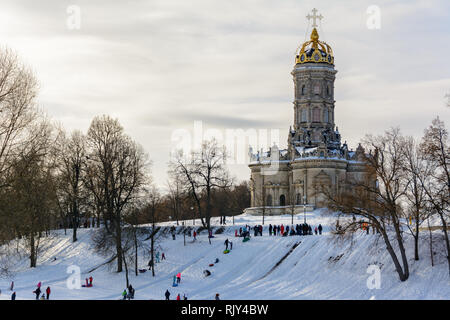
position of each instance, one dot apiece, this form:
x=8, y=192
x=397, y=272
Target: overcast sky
x=159, y=66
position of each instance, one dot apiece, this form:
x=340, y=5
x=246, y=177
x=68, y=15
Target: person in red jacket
x=90, y=281
x=195, y=235
x=282, y=229
x=47, y=291
x=178, y=297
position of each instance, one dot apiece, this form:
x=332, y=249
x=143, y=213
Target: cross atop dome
x=314, y=17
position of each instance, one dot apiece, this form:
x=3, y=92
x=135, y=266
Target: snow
x=320, y=267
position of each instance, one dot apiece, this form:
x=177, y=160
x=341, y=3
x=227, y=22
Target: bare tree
x=72, y=157
x=154, y=199
x=377, y=195
x=416, y=170
x=436, y=150
x=119, y=164
x=18, y=90
x=175, y=194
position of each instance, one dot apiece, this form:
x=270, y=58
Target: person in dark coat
x=226, y=244
x=47, y=291
x=320, y=229
x=167, y=294
x=270, y=229
x=13, y=296
x=130, y=292
x=37, y=292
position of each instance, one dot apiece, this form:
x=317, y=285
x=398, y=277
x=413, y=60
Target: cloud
x=159, y=65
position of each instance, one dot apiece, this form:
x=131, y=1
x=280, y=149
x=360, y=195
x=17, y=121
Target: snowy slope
x=295, y=267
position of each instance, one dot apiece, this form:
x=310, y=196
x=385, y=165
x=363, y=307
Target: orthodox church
x=286, y=179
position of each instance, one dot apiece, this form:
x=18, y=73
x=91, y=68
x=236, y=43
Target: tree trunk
x=119, y=246
x=394, y=258
x=416, y=240
x=32, y=251
x=126, y=271
x=431, y=242
x=135, y=253
x=444, y=229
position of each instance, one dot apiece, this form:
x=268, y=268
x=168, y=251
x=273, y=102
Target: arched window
x=317, y=88
x=304, y=115
x=316, y=115
x=299, y=198
x=282, y=200
x=325, y=115
x=269, y=201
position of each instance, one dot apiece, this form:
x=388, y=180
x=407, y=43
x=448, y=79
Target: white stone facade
x=314, y=156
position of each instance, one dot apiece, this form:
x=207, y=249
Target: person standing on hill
x=282, y=229
x=270, y=229
x=13, y=296
x=320, y=229
x=37, y=292
x=226, y=244
x=217, y=297
x=167, y=294
x=47, y=291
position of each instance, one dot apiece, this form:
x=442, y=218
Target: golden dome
x=315, y=51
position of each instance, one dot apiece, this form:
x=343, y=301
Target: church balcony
x=280, y=210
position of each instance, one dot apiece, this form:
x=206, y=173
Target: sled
x=211, y=264
x=226, y=251
x=175, y=285
x=245, y=239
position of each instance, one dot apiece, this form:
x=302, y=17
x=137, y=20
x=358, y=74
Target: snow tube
x=245, y=239
x=226, y=251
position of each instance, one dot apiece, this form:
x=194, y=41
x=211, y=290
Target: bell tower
x=314, y=76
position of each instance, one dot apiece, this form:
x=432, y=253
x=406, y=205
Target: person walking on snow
x=157, y=257
x=37, y=292
x=231, y=245
x=124, y=294
x=282, y=229
x=195, y=235
x=163, y=256
x=178, y=297
x=320, y=229
x=90, y=281
x=315, y=230
x=270, y=229
x=167, y=294
x=226, y=244
x=178, y=277
x=13, y=296
x=47, y=291
x=12, y=286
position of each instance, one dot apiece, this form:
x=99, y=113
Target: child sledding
x=88, y=283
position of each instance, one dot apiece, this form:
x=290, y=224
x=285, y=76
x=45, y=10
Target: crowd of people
x=302, y=229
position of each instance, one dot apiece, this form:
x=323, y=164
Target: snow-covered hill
x=294, y=267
